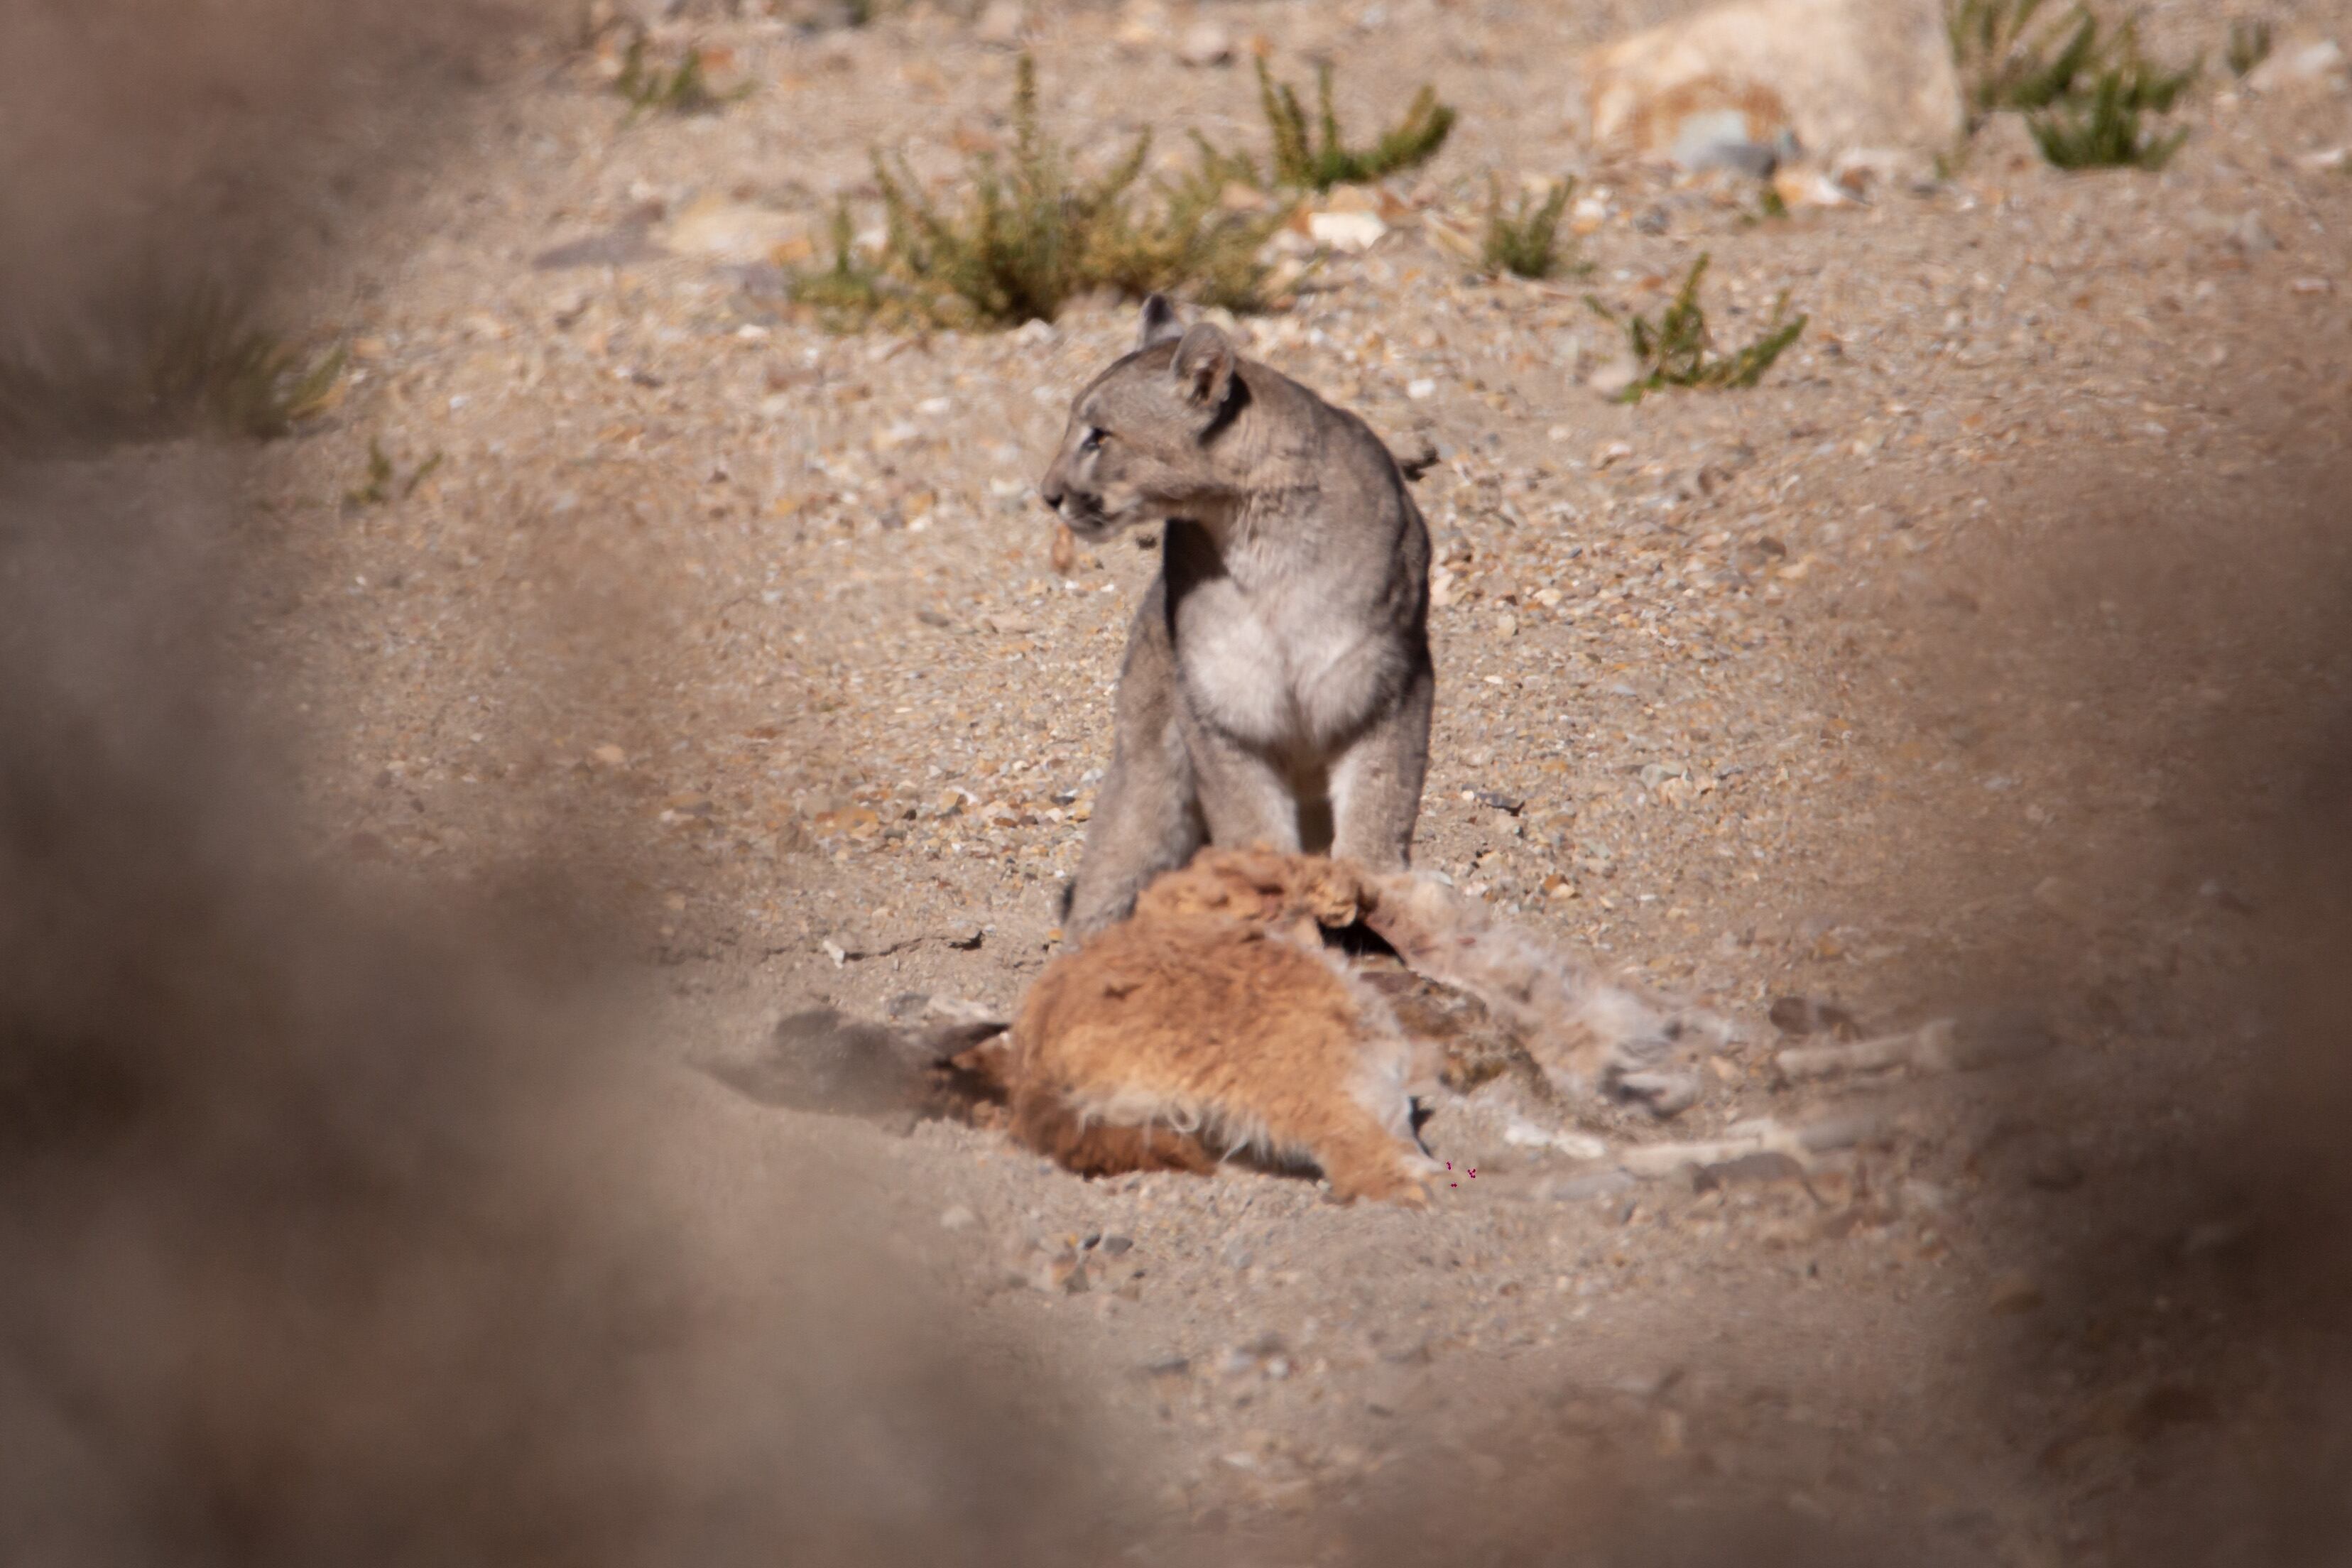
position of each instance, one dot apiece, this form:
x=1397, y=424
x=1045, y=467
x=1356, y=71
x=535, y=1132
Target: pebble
x=957, y=1218
x=1351, y=232
x=720, y=230
x=1205, y=44
x=2252, y=236
x=2321, y=63
x=1613, y=377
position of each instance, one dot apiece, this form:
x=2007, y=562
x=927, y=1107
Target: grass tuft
x=2083, y=89
x=850, y=291
x=190, y=360
x=383, y=482
x=1524, y=242
x=1676, y=349
x=2102, y=131
x=2010, y=56
x=1030, y=236
x=684, y=89
x=2250, y=45
x=1319, y=161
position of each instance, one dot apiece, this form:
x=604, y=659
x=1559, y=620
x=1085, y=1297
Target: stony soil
x=1838, y=687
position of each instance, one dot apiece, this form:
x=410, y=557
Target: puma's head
x=1136, y=450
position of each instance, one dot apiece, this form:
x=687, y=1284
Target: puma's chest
x=1279, y=670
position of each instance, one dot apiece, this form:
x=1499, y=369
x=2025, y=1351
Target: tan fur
x=1212, y=1022
x=1589, y=1037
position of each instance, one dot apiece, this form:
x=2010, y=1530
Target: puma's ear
x=1160, y=323
x=1204, y=365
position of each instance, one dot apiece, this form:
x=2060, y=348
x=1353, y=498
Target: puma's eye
x=1093, y=439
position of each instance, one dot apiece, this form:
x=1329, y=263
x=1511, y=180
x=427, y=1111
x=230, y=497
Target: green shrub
x=1676, y=349
x=1029, y=236
x=2006, y=61
x=1524, y=242
x=2082, y=91
x=1319, y=161
x=2101, y=131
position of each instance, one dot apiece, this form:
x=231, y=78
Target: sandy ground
x=1839, y=686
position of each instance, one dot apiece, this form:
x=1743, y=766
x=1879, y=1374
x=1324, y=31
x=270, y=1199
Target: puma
x=1277, y=684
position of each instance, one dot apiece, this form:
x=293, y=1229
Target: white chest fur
x=1279, y=664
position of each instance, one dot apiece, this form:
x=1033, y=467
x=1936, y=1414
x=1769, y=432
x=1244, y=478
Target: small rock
x=1589, y=1184
x=1510, y=804
x=2014, y=1292
x=1666, y=1093
x=1700, y=146
x=2321, y=64
x=1350, y=231
x=736, y=232
x=1205, y=44
x=2251, y=235
x=1506, y=626
x=1066, y=1273
x=610, y=756
x=1420, y=388
x=1614, y=376
x=1924, y=1197
x=957, y=1218
x=1764, y=1166
x=1117, y=1246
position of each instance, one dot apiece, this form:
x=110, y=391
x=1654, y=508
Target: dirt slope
x=1885, y=681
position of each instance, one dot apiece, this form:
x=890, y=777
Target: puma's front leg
x=1376, y=782
x=1147, y=816
x=1246, y=798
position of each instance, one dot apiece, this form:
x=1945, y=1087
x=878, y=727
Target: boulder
x=1750, y=83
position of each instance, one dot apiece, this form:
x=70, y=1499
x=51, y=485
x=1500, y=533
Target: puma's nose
x=1050, y=494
